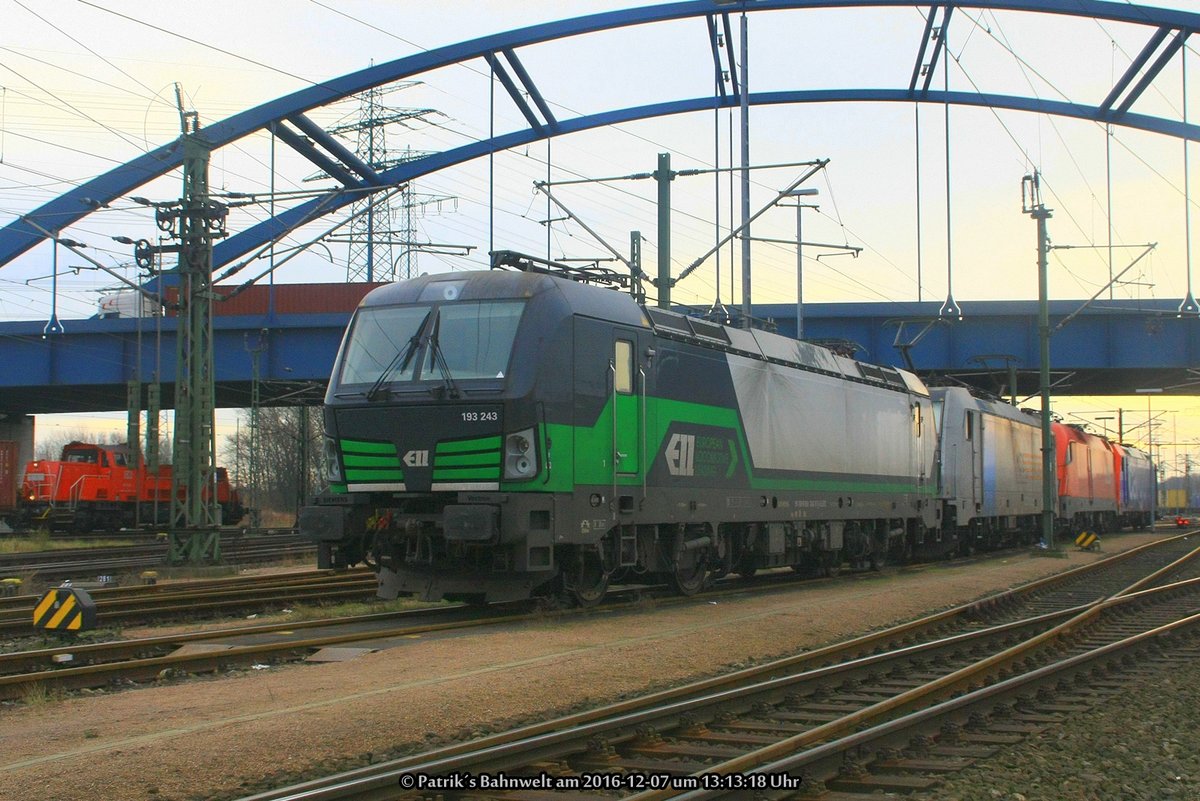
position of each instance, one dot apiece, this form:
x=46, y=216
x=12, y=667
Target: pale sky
x=85, y=86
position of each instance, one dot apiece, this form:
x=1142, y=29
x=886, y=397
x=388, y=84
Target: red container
x=289, y=298
x=8, y=474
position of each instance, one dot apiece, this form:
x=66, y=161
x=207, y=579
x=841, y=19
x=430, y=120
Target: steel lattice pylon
x=198, y=221
x=372, y=217
x=379, y=225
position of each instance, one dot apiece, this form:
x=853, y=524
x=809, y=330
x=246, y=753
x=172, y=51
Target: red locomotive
x=1102, y=486
x=98, y=487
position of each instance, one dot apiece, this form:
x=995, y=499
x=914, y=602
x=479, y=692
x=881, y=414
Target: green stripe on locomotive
x=354, y=460
x=373, y=476
x=483, y=444
x=586, y=449
x=363, y=447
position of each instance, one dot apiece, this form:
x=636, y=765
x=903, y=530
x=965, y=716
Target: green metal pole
x=194, y=534
x=1041, y=214
x=133, y=440
x=663, y=176
x=635, y=258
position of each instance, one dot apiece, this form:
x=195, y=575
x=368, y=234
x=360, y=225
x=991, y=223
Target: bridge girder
x=1108, y=349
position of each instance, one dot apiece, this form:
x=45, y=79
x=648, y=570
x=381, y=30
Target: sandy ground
x=225, y=736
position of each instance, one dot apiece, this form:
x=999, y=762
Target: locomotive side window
x=970, y=425
x=623, y=360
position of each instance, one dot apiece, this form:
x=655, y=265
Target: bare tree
x=285, y=470
x=50, y=445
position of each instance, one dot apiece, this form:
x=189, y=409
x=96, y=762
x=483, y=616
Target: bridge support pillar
x=18, y=428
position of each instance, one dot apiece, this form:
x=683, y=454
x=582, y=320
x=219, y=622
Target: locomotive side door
x=609, y=402
x=917, y=461
x=1091, y=490
x=628, y=388
x=975, y=438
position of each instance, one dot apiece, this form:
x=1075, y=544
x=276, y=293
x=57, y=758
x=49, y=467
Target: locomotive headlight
x=333, y=465
x=520, y=455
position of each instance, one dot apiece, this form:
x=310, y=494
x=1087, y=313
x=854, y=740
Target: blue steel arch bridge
x=1110, y=347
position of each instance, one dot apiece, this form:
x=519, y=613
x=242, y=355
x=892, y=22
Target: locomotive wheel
x=831, y=563
x=586, y=582
x=690, y=569
x=689, y=580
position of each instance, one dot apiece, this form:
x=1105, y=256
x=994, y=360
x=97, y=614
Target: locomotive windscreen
x=399, y=344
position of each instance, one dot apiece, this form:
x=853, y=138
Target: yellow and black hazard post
x=1087, y=541
x=65, y=609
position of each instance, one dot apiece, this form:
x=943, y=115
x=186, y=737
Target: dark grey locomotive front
x=439, y=424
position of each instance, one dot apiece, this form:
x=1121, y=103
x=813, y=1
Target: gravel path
x=225, y=736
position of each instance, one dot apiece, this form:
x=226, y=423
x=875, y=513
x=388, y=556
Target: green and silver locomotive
x=501, y=434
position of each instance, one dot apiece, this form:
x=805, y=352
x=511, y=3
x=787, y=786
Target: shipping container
x=289, y=298
x=1177, y=499
x=8, y=474
x=254, y=300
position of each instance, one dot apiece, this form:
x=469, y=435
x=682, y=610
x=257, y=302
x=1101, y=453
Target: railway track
x=120, y=662
x=194, y=599
x=71, y=667
x=732, y=736
x=87, y=563
x=151, y=534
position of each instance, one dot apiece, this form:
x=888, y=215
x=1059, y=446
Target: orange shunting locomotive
x=104, y=487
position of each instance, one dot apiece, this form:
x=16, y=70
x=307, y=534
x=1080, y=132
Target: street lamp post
x=800, y=207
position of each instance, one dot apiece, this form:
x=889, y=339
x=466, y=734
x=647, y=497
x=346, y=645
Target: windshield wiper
x=400, y=360
x=440, y=358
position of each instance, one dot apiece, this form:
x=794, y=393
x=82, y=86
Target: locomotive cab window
x=970, y=425
x=474, y=339
x=424, y=342
x=623, y=364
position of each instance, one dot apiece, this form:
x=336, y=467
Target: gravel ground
x=224, y=736
x=1140, y=745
